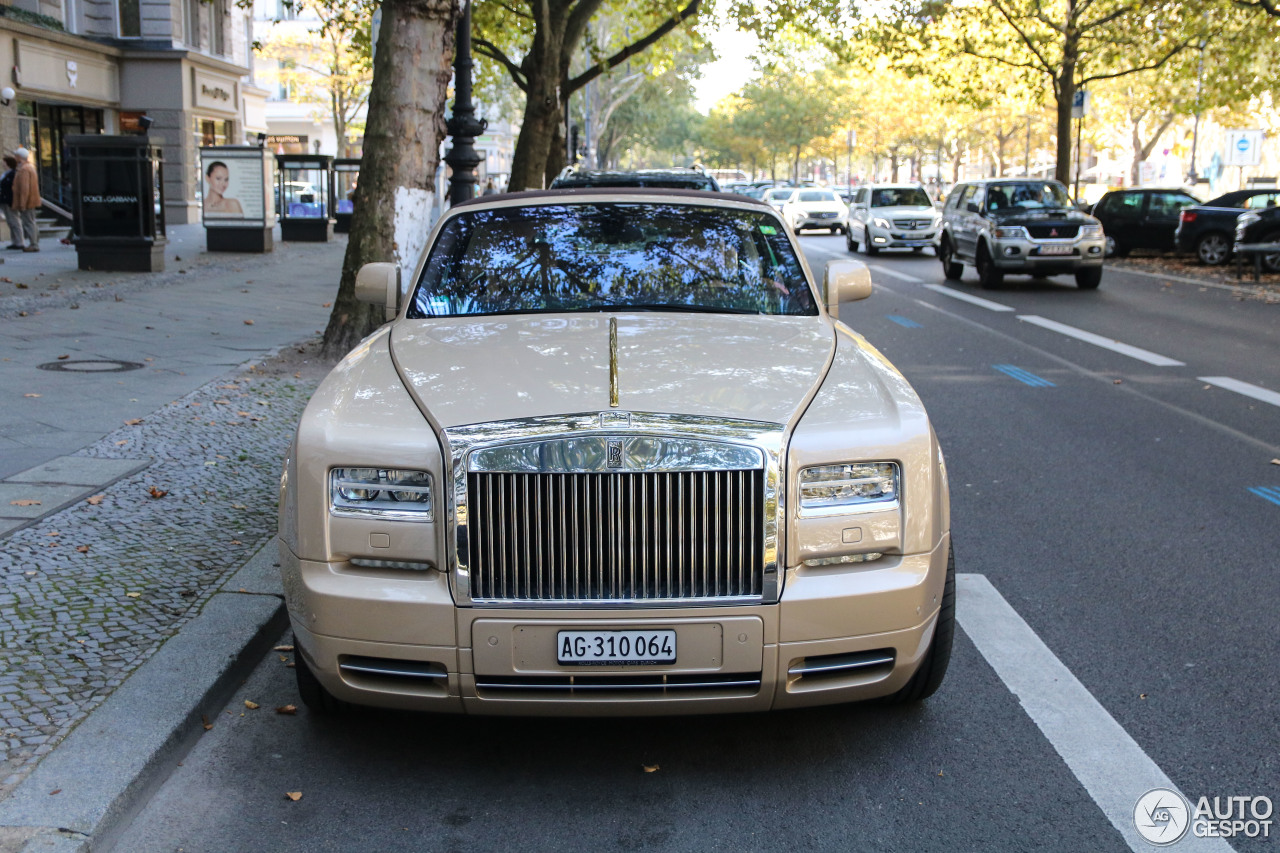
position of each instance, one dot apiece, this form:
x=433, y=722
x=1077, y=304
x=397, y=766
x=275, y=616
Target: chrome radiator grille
x=638, y=536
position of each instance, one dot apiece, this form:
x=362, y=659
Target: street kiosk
x=117, y=202
x=346, y=172
x=237, y=204
x=304, y=191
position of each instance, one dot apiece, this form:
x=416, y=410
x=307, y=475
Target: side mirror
x=845, y=281
x=379, y=284
x=973, y=207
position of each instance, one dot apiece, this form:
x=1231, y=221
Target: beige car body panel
x=835, y=400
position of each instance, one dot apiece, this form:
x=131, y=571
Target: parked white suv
x=892, y=216
x=813, y=207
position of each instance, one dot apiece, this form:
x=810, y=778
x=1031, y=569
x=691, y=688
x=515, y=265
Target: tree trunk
x=1066, y=92
x=536, y=145
x=406, y=124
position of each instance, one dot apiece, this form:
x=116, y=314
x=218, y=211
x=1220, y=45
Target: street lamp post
x=1026, y=169
x=463, y=125
x=1192, y=177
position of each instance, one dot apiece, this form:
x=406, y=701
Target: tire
x=989, y=276
x=1271, y=262
x=850, y=243
x=1213, y=249
x=952, y=270
x=1089, y=278
x=311, y=691
x=867, y=247
x=1115, y=249
x=933, y=669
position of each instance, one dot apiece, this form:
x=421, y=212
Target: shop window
x=130, y=17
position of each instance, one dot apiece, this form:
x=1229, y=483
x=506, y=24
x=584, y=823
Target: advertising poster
x=233, y=186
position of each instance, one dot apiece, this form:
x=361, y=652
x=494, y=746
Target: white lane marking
x=894, y=273
x=1107, y=761
x=1244, y=388
x=965, y=297
x=1099, y=341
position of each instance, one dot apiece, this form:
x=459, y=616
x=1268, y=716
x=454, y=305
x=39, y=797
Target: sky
x=728, y=73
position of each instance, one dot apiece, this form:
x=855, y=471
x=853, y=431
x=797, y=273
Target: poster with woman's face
x=233, y=186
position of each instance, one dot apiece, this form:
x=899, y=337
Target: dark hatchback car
x=1141, y=218
x=1260, y=226
x=667, y=179
x=1208, y=230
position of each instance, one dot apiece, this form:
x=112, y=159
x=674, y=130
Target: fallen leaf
x=1275, y=461
x=24, y=502
x=287, y=709
x=95, y=500
x=133, y=595
x=63, y=357
x=133, y=422
x=326, y=305
x=158, y=493
x=297, y=376
x=53, y=533
x=252, y=706
x=238, y=506
x=31, y=395
x=83, y=549
x=222, y=402
x=205, y=720
x=293, y=795
x=22, y=286
x=283, y=659
x=236, y=542
x=250, y=323
x=284, y=648
x=243, y=414
x=1142, y=696
x=650, y=768
x=1116, y=381
x=55, y=791
x=122, y=442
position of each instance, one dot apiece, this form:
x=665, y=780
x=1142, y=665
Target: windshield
x=900, y=197
x=1027, y=195
x=780, y=195
x=611, y=257
x=817, y=195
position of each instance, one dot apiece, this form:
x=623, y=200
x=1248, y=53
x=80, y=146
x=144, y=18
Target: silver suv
x=1020, y=226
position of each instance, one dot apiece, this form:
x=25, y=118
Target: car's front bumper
x=1044, y=257
x=818, y=221
x=838, y=634
x=894, y=239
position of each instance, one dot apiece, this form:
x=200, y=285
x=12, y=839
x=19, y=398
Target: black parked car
x=1261, y=226
x=1207, y=230
x=1141, y=218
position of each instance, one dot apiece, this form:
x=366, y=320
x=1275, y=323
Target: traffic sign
x=1244, y=148
x=1080, y=103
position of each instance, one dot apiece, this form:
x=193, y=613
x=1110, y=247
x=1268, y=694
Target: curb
x=107, y=767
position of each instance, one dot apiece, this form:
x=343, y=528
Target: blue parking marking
x=1024, y=376
x=1268, y=493
x=904, y=321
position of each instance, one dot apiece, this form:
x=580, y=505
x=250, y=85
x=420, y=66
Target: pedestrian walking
x=6, y=203
x=489, y=188
x=26, y=198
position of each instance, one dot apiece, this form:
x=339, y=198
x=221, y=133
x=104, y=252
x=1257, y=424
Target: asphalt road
x=1115, y=499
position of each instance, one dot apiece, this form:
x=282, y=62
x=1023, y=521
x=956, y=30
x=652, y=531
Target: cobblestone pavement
x=89, y=593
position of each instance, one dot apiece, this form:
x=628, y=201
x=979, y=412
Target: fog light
x=1095, y=250
x=1012, y=250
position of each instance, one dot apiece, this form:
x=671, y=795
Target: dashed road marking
x=1107, y=761
x=1244, y=388
x=1026, y=377
x=1267, y=493
x=965, y=297
x=1100, y=341
x=894, y=273
x=906, y=322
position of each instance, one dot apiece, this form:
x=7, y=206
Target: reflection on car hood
x=466, y=370
x=1049, y=216
x=913, y=209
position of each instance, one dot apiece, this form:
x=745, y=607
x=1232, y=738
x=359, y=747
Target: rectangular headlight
x=1091, y=229
x=1010, y=232
x=854, y=485
x=381, y=492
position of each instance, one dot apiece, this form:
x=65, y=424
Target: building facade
x=182, y=68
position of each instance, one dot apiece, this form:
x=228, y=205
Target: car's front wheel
x=933, y=668
x=850, y=243
x=312, y=692
x=951, y=269
x=1116, y=249
x=1213, y=249
x=868, y=246
x=1271, y=262
x=1089, y=278
x=989, y=276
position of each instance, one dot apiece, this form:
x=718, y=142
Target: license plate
x=1056, y=250
x=913, y=243
x=612, y=648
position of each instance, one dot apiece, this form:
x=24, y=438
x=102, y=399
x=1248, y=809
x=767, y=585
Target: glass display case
x=304, y=196
x=237, y=198
x=117, y=202
x=346, y=173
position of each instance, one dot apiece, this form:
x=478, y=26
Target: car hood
x=837, y=206
x=1059, y=216
x=912, y=209
x=468, y=370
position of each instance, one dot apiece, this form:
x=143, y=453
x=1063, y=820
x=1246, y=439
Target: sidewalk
x=140, y=446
